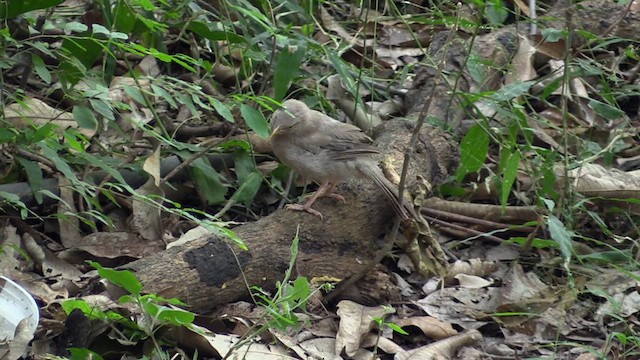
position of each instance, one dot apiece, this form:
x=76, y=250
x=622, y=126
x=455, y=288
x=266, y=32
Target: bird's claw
x=335, y=196
x=298, y=207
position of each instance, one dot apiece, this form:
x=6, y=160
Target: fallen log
x=209, y=271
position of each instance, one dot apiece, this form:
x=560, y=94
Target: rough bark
x=208, y=272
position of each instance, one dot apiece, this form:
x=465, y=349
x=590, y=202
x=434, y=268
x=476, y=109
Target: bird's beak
x=276, y=131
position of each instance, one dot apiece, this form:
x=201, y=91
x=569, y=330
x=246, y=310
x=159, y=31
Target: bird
x=327, y=152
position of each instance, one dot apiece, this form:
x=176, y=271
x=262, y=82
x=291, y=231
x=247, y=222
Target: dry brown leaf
x=355, y=322
x=476, y=267
x=67, y=219
x=387, y=345
x=51, y=265
x=228, y=345
x=443, y=349
x=38, y=113
x=522, y=63
x=461, y=306
x=19, y=345
x=525, y=292
x=471, y=281
x=145, y=218
x=430, y=327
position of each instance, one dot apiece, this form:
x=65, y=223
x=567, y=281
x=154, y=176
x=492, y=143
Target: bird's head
x=287, y=119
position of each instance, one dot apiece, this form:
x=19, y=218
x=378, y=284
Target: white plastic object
x=16, y=304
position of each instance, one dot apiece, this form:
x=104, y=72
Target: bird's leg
x=329, y=193
x=307, y=205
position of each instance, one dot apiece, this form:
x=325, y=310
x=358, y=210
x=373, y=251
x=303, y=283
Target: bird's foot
x=334, y=196
x=329, y=195
x=305, y=208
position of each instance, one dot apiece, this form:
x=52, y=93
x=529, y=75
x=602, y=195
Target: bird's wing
x=338, y=130
x=345, y=150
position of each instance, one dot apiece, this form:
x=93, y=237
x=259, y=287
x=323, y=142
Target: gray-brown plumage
x=326, y=151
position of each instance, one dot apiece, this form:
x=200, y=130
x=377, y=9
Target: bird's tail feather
x=389, y=190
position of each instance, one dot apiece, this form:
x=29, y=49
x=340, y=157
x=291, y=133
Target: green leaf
x=74, y=26
x=103, y=108
x=167, y=315
x=287, y=68
x=248, y=189
x=40, y=68
x=14, y=200
x=84, y=117
x=124, y=17
x=80, y=54
x=6, y=135
x=123, y=278
x=203, y=29
x=222, y=110
x=509, y=169
x=607, y=111
x=164, y=94
x=134, y=93
x=34, y=175
x=255, y=120
x=513, y=90
x=561, y=235
x=82, y=353
x=496, y=12
x=473, y=151
x=553, y=35
x=208, y=181
x=396, y=328
x=220, y=229
x=12, y=8
x=61, y=165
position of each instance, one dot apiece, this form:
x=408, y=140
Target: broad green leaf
x=123, y=278
x=209, y=182
x=235, y=143
x=345, y=76
x=14, y=200
x=84, y=117
x=103, y=108
x=222, y=110
x=6, y=135
x=287, y=68
x=473, y=151
x=34, y=175
x=12, y=8
x=607, y=111
x=171, y=316
x=553, y=35
x=124, y=17
x=83, y=353
x=255, y=120
x=99, y=29
x=509, y=170
x=248, y=189
x=496, y=12
x=164, y=94
x=134, y=93
x=60, y=164
x=72, y=304
x=43, y=132
x=74, y=26
x=251, y=12
x=396, y=328
x=561, y=235
x=513, y=90
x=81, y=53
x=203, y=29
x=41, y=68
